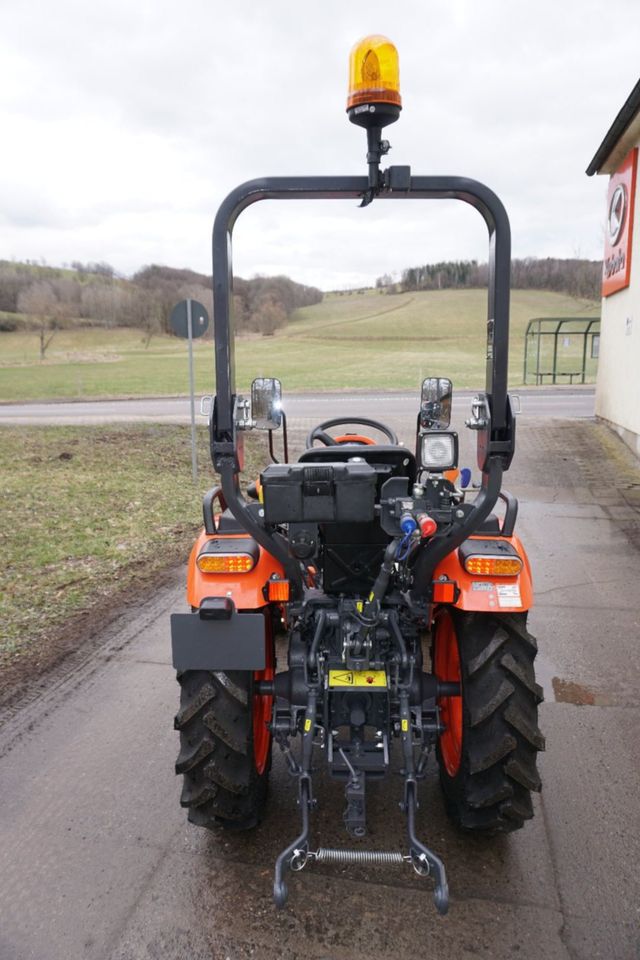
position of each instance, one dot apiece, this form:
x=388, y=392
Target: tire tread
x=491, y=792
x=221, y=784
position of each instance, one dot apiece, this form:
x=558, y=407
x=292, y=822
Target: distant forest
x=578, y=278
x=46, y=298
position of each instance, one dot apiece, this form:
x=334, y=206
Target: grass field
x=78, y=536
x=349, y=341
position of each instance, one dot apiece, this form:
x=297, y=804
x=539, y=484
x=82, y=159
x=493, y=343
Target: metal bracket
x=355, y=814
x=300, y=845
x=480, y=416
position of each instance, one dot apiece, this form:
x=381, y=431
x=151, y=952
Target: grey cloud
x=172, y=106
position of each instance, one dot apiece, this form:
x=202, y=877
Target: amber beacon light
x=374, y=100
x=374, y=82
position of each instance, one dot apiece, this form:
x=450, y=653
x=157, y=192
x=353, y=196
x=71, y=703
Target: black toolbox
x=319, y=493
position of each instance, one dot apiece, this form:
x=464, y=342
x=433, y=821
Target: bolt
x=460, y=514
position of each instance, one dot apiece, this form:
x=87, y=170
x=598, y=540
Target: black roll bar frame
x=396, y=184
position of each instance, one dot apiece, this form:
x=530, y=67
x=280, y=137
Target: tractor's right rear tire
x=225, y=749
x=487, y=754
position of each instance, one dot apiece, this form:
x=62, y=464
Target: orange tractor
x=402, y=601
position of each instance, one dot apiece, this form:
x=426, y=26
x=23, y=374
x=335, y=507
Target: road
x=97, y=860
x=536, y=402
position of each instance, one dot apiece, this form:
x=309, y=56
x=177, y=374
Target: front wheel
x=488, y=750
x=225, y=746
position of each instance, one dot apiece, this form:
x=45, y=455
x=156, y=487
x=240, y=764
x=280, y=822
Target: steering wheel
x=318, y=433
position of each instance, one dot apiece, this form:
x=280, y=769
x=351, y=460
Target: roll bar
x=343, y=188
x=397, y=183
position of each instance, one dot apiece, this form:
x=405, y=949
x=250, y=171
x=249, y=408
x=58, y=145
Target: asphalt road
x=97, y=860
x=536, y=402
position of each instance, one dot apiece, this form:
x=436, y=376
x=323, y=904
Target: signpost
x=190, y=319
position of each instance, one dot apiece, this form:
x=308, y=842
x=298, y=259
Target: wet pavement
x=97, y=860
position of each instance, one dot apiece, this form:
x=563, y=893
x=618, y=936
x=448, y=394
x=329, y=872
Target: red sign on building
x=616, y=269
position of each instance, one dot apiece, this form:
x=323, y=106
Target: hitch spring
x=371, y=857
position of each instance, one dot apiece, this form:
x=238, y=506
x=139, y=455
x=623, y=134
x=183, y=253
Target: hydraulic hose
x=317, y=637
x=381, y=584
x=397, y=635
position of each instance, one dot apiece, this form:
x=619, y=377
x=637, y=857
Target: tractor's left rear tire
x=225, y=749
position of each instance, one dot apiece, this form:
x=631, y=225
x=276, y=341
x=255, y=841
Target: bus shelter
x=561, y=349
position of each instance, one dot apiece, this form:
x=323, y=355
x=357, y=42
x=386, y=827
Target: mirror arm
x=271, y=450
x=285, y=441
x=285, y=437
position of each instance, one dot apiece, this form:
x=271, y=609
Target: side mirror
x=266, y=403
x=435, y=403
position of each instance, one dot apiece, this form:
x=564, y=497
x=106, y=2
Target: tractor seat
x=386, y=459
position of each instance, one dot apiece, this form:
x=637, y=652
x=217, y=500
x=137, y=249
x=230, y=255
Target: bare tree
x=39, y=300
x=268, y=316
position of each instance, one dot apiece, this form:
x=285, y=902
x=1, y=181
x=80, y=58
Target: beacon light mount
x=374, y=100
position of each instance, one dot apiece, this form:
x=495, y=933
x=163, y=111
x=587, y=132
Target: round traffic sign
x=180, y=323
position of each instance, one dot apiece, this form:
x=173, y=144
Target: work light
x=438, y=451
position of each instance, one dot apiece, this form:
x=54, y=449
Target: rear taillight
x=486, y=565
x=228, y=555
x=226, y=563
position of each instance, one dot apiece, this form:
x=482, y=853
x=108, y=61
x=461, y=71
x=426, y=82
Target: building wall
x=618, y=382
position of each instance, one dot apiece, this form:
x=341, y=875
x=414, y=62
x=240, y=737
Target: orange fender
x=245, y=588
x=489, y=594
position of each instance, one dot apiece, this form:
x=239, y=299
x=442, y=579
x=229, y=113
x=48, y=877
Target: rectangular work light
x=438, y=450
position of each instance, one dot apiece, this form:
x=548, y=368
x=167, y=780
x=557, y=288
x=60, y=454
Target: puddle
x=562, y=690
x=566, y=691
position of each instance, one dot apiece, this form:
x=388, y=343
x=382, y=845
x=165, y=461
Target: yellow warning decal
x=357, y=678
x=307, y=724
x=405, y=726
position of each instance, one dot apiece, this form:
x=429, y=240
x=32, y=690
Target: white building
x=618, y=383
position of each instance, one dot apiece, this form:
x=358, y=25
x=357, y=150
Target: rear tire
x=488, y=755
x=224, y=764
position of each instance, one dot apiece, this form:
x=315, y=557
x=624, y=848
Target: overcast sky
x=123, y=126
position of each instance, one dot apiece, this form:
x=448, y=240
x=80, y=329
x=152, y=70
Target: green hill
x=347, y=341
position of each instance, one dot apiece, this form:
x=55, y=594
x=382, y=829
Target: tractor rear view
x=403, y=601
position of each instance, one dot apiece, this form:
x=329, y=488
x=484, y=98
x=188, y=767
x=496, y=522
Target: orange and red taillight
x=230, y=555
x=490, y=558
x=493, y=566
